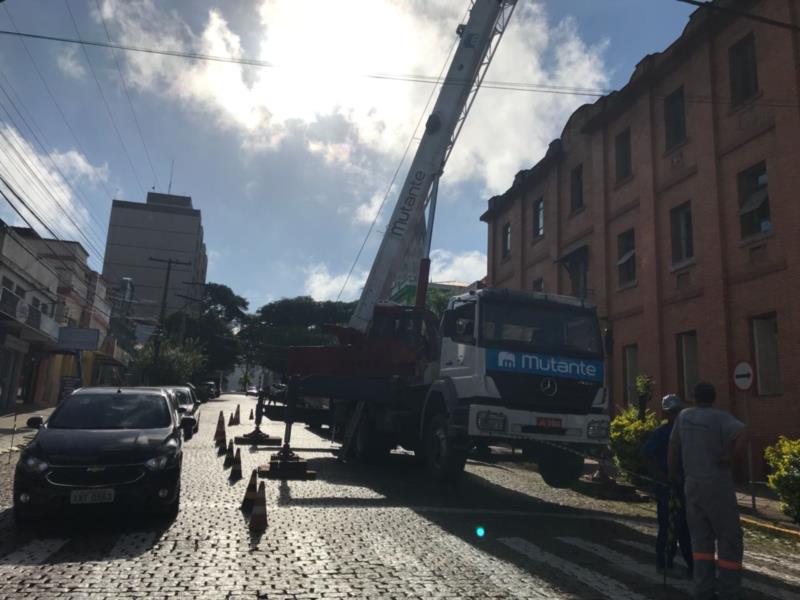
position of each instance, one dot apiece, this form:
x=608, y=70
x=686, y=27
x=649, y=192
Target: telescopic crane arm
x=479, y=38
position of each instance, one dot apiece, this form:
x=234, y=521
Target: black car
x=103, y=446
x=186, y=404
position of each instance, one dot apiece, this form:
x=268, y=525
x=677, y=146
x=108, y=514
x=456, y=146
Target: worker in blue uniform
x=671, y=507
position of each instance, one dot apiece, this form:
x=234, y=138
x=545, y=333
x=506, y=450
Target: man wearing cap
x=703, y=442
x=668, y=498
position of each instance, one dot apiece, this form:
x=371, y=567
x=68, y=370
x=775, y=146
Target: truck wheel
x=444, y=458
x=560, y=469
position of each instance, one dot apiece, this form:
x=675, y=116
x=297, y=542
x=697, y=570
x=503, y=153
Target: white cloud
x=366, y=212
x=35, y=179
x=75, y=166
x=70, y=63
x=465, y=267
x=320, y=67
x=320, y=284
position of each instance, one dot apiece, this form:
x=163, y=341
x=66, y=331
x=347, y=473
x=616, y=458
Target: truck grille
x=524, y=391
x=95, y=476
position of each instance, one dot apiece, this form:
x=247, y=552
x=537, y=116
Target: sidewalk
x=23, y=433
x=768, y=514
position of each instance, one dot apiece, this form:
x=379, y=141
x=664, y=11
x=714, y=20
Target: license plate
x=100, y=496
x=548, y=422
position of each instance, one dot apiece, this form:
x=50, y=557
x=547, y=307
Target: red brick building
x=673, y=205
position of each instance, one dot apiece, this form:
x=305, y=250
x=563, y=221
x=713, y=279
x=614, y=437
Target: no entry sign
x=743, y=376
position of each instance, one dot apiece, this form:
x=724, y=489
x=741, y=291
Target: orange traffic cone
x=251, y=492
x=236, y=467
x=231, y=422
x=258, y=518
x=222, y=443
x=228, y=456
x=236, y=416
x=220, y=427
x=251, y=414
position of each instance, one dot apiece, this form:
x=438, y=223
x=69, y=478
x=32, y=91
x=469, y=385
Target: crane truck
x=501, y=366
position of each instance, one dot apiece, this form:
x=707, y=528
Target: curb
x=769, y=527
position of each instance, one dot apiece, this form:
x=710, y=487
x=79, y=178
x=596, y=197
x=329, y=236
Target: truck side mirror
x=608, y=339
x=449, y=324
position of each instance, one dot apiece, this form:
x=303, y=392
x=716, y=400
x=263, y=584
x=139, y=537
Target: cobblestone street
x=359, y=531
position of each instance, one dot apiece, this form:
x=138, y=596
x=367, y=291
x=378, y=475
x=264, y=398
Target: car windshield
x=111, y=411
x=540, y=327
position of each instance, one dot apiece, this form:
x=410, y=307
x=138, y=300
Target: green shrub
x=784, y=462
x=628, y=435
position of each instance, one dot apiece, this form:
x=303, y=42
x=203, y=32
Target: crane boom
x=480, y=36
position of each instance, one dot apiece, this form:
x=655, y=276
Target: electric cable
x=105, y=101
x=90, y=243
x=128, y=96
x=56, y=103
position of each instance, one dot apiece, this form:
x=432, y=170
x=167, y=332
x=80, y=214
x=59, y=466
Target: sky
x=289, y=163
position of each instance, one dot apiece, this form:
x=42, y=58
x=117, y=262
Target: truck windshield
x=540, y=327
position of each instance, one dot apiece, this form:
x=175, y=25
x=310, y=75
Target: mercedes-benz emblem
x=548, y=386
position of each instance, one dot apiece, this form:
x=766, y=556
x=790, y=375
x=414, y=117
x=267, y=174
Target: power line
x=103, y=96
x=513, y=86
x=38, y=176
x=56, y=167
x=127, y=95
x=56, y=103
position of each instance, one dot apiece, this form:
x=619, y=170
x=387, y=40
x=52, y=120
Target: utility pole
x=162, y=312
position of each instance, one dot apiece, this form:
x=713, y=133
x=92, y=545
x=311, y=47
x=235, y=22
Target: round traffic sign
x=743, y=376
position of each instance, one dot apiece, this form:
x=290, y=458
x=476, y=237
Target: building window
x=674, y=118
x=577, y=265
x=35, y=302
x=682, y=237
x=20, y=291
x=687, y=363
x=538, y=218
x=538, y=284
x=576, y=185
x=506, y=250
x=626, y=257
x=630, y=370
x=754, y=214
x=743, y=70
x=622, y=148
x=765, y=343
x=8, y=284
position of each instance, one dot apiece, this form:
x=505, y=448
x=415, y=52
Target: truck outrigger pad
x=257, y=438
x=285, y=464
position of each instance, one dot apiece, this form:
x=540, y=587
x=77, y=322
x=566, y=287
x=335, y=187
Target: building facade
x=164, y=227
x=28, y=331
x=670, y=204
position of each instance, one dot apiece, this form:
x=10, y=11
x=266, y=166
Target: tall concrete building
x=672, y=204
x=165, y=227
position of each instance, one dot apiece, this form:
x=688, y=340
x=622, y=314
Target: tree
x=177, y=363
x=220, y=301
x=266, y=336
x=436, y=301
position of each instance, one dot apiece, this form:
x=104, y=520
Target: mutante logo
x=547, y=365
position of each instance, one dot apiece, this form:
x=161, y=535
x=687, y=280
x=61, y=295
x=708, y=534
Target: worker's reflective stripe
x=703, y=555
x=729, y=564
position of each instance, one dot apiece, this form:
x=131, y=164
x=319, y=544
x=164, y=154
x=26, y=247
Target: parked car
x=186, y=404
x=119, y=447
x=193, y=390
x=252, y=391
x=213, y=389
x=204, y=392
